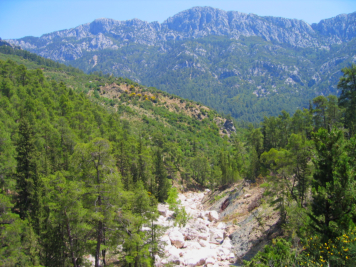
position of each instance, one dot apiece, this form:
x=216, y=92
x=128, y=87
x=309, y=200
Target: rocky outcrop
x=192, y=23
x=229, y=126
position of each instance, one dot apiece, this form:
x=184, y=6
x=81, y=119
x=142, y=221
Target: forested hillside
x=83, y=164
x=240, y=64
x=306, y=165
x=84, y=159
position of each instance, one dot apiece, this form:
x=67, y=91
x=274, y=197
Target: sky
x=20, y=18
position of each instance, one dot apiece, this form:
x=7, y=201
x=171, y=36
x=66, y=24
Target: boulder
x=158, y=261
x=162, y=209
x=190, y=233
x=232, y=258
x=166, y=240
x=177, y=238
x=203, y=215
x=216, y=235
x=203, y=243
x=210, y=261
x=227, y=243
x=200, y=225
x=182, y=197
x=213, y=216
x=197, y=257
x=167, y=249
x=204, y=236
x=192, y=245
x=223, y=253
x=174, y=257
x=221, y=225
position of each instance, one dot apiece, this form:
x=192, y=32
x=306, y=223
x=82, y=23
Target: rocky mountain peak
x=102, y=25
x=198, y=19
x=342, y=26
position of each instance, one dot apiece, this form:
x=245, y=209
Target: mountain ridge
x=203, y=21
x=240, y=64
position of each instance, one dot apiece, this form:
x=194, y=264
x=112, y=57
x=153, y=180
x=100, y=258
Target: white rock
x=166, y=249
x=176, y=238
x=203, y=243
x=194, y=258
x=227, y=243
x=162, y=209
x=221, y=225
x=165, y=239
x=213, y=216
x=182, y=197
x=247, y=195
x=158, y=261
x=204, y=236
x=174, y=256
x=144, y=228
x=190, y=233
x=216, y=235
x=202, y=215
x=223, y=253
x=210, y=261
x=192, y=245
x=232, y=258
x=200, y=225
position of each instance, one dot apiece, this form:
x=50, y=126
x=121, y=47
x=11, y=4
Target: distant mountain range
x=243, y=64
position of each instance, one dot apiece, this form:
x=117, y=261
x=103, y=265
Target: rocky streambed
x=202, y=241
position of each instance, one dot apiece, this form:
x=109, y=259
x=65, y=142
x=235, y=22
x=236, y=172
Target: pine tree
x=333, y=187
x=29, y=185
x=161, y=177
x=347, y=98
x=95, y=165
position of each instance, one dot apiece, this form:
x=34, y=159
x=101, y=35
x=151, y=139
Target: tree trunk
x=70, y=239
x=98, y=238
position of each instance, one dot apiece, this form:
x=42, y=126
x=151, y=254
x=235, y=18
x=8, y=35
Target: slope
x=240, y=64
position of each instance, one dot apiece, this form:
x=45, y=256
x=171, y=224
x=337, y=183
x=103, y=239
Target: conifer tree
x=29, y=185
x=347, y=98
x=333, y=186
x=161, y=177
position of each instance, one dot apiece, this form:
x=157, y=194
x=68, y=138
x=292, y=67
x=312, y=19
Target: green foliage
x=72, y=161
x=340, y=251
x=181, y=217
x=347, y=99
x=85, y=172
x=279, y=253
x=333, y=186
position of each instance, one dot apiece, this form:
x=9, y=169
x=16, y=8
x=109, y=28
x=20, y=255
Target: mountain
x=240, y=64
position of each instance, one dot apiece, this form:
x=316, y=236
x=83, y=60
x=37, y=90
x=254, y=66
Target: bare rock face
x=176, y=238
x=189, y=24
x=229, y=126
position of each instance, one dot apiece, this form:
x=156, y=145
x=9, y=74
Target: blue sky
x=19, y=18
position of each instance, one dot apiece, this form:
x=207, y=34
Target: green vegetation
x=248, y=78
x=84, y=160
x=81, y=173
x=309, y=163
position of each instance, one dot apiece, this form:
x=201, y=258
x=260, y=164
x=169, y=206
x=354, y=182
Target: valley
x=212, y=139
